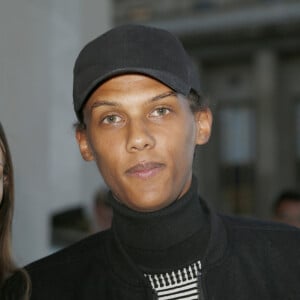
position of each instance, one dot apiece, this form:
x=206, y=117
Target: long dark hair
x=7, y=266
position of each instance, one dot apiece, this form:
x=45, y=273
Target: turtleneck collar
x=178, y=232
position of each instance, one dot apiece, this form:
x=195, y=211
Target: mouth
x=145, y=170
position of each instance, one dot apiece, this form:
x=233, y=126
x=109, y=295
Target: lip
x=145, y=170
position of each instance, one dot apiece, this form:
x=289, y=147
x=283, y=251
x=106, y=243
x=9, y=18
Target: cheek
x=107, y=152
x=185, y=139
x=180, y=146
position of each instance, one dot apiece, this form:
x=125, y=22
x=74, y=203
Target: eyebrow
x=162, y=96
x=99, y=103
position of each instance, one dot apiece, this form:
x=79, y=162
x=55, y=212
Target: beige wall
x=39, y=42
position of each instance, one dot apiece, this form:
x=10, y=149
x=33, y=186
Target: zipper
x=200, y=286
x=154, y=295
x=151, y=293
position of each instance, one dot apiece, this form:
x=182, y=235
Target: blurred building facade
x=248, y=54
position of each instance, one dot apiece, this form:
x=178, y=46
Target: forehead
x=129, y=88
x=131, y=82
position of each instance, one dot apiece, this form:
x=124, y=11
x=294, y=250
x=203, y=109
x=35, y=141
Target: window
x=237, y=156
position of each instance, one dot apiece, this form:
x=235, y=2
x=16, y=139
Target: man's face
x=289, y=212
x=142, y=137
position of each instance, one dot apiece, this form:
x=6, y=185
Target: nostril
x=140, y=142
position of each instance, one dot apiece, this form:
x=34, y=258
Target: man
x=140, y=115
x=286, y=208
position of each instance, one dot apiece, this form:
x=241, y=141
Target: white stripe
x=183, y=289
x=192, y=284
x=195, y=297
x=183, y=294
x=190, y=281
x=176, y=290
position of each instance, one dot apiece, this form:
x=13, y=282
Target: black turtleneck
x=164, y=240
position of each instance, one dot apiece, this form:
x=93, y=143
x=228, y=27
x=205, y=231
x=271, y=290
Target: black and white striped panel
x=180, y=284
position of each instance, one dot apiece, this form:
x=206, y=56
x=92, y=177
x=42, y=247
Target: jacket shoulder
x=248, y=223
x=92, y=247
x=260, y=233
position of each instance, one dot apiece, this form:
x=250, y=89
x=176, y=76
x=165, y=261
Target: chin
x=150, y=205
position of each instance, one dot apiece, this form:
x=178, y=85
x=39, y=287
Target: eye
x=112, y=119
x=160, y=111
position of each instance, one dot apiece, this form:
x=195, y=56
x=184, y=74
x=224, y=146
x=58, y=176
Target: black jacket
x=244, y=259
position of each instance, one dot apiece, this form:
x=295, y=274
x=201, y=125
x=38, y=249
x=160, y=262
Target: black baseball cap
x=133, y=49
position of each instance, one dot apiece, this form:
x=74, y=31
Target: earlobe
x=204, y=124
x=84, y=145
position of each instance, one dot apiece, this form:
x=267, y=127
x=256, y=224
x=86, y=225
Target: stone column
x=267, y=175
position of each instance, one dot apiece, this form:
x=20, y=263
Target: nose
x=139, y=136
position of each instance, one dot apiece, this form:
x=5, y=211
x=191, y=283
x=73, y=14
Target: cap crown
x=133, y=49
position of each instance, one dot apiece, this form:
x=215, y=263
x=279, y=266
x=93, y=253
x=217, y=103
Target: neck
x=171, y=231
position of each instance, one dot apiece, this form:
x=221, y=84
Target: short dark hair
x=197, y=101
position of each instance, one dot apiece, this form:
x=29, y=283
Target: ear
x=204, y=121
x=84, y=146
